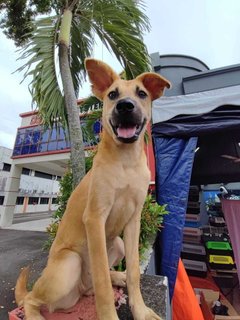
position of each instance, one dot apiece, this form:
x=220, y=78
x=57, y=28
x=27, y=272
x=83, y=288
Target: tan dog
x=107, y=202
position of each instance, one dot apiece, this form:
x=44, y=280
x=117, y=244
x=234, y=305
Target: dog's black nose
x=125, y=106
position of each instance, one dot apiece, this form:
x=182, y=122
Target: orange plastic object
x=185, y=304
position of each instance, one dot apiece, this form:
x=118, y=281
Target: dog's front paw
x=145, y=313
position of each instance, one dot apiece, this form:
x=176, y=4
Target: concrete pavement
x=36, y=225
x=18, y=249
x=21, y=245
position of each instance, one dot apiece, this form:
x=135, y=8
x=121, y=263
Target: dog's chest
x=129, y=198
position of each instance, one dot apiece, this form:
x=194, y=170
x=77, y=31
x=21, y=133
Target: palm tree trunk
x=75, y=132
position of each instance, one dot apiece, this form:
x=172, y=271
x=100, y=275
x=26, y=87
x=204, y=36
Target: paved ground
x=26, y=217
x=19, y=248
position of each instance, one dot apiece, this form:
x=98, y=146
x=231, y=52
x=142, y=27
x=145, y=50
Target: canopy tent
x=179, y=124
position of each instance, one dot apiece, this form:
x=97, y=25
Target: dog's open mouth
x=129, y=133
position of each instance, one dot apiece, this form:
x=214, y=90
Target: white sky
x=206, y=29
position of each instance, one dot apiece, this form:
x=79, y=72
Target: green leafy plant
x=151, y=221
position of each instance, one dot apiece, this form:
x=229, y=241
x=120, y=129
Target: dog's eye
x=113, y=95
x=142, y=94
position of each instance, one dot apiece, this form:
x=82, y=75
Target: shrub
x=151, y=221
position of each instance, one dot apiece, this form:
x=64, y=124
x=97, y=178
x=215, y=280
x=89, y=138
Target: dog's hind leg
x=115, y=255
x=116, y=252
x=58, y=287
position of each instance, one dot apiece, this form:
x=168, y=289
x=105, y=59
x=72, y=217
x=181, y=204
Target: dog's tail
x=21, y=286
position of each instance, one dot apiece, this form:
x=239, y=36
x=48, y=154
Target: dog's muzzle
x=127, y=121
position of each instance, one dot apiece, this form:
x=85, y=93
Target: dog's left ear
x=154, y=83
x=100, y=75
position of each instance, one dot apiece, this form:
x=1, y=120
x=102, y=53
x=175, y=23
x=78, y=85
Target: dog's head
x=126, y=103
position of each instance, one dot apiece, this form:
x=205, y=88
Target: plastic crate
x=193, y=207
x=192, y=235
x=194, y=190
x=195, y=268
x=192, y=220
x=192, y=217
x=193, y=204
x=221, y=262
x=218, y=246
x=217, y=222
x=193, y=252
x=193, y=211
x=215, y=237
x=214, y=230
x=191, y=224
x=193, y=197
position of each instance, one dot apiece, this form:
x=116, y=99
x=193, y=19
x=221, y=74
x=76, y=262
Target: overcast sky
x=206, y=29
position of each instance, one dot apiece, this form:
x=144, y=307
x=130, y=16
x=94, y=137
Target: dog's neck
x=126, y=151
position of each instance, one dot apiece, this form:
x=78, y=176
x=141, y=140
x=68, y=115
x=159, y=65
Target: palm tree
x=118, y=23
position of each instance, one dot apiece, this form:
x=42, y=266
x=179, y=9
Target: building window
x=37, y=139
x=33, y=200
x=26, y=171
x=54, y=200
x=1, y=200
x=19, y=200
x=6, y=167
x=44, y=175
x=44, y=200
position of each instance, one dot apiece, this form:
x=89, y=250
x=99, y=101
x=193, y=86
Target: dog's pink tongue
x=126, y=132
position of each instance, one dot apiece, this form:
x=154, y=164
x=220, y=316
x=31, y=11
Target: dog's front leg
x=131, y=240
x=96, y=238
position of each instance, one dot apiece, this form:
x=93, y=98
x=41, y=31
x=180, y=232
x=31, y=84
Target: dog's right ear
x=100, y=75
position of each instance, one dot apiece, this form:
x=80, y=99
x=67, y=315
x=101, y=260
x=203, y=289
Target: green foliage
x=65, y=190
x=64, y=194
x=151, y=221
x=18, y=16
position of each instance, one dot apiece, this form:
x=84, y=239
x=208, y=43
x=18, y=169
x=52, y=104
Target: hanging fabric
x=231, y=210
x=174, y=160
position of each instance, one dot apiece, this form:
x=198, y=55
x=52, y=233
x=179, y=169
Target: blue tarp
x=174, y=160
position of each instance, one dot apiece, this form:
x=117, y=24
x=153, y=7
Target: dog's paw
x=118, y=278
x=146, y=314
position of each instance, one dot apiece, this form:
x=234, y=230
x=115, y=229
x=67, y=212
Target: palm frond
x=120, y=27
x=40, y=65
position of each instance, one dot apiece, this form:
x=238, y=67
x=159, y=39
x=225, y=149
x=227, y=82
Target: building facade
x=30, y=174
x=37, y=190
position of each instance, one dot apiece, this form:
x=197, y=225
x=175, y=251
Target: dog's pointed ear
x=154, y=83
x=100, y=75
